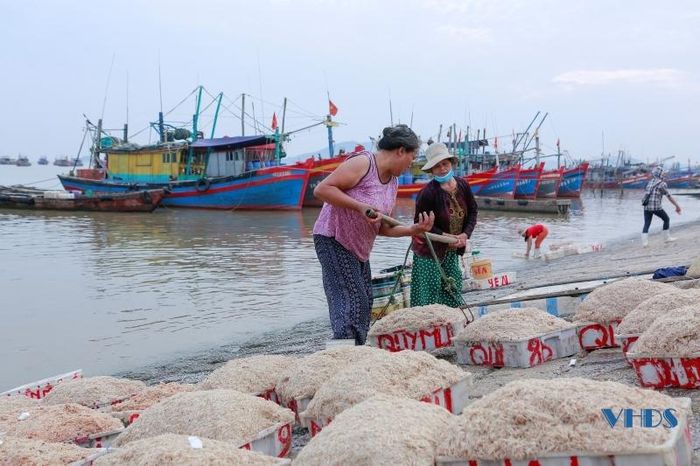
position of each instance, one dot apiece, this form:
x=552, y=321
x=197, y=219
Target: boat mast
x=243, y=114
x=195, y=117
x=216, y=114
x=329, y=124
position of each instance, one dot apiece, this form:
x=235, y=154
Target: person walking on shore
x=344, y=234
x=655, y=191
x=453, y=203
x=538, y=232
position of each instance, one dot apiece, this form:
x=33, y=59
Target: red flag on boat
x=495, y=143
x=274, y=121
x=332, y=109
x=557, y=143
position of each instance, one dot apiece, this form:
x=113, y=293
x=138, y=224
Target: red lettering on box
x=284, y=435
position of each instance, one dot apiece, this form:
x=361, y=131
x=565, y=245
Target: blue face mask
x=444, y=179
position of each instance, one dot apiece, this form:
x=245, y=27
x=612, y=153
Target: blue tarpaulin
x=231, y=143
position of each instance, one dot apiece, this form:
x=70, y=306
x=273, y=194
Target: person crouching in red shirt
x=538, y=232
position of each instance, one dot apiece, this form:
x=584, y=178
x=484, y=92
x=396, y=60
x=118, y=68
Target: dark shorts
x=347, y=282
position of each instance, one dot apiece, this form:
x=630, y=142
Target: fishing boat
x=218, y=173
x=318, y=170
x=35, y=199
x=63, y=162
x=549, y=183
x=528, y=182
x=572, y=181
x=500, y=184
x=43, y=161
x=23, y=161
x=7, y=161
x=635, y=181
x=685, y=179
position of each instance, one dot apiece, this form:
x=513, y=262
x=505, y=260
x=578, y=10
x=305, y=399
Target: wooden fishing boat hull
x=494, y=184
x=636, y=182
x=549, y=184
x=572, y=181
x=138, y=201
x=270, y=188
x=528, y=182
x=318, y=171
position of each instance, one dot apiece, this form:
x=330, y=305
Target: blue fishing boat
x=635, y=182
x=209, y=173
x=572, y=181
x=243, y=172
x=528, y=182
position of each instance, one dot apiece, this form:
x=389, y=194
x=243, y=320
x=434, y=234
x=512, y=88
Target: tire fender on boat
x=203, y=184
x=146, y=196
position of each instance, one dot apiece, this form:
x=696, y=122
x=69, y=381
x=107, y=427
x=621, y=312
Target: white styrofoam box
x=41, y=388
x=298, y=405
x=559, y=306
x=627, y=343
x=269, y=395
x=676, y=451
x=597, y=335
x=438, y=336
x=664, y=371
x=58, y=195
x=528, y=352
x=452, y=398
x=273, y=441
x=499, y=280
x=99, y=440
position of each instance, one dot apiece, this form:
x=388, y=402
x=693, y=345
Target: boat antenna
x=411, y=124
x=160, y=85
x=109, y=77
x=126, y=125
x=262, y=101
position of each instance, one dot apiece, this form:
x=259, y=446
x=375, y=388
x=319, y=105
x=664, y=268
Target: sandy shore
x=623, y=256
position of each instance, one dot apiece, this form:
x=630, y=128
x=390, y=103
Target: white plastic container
x=677, y=451
x=298, y=405
x=273, y=441
x=439, y=336
x=666, y=371
x=559, y=306
x=498, y=280
x=597, y=335
x=528, y=352
x=627, y=343
x=39, y=389
x=452, y=398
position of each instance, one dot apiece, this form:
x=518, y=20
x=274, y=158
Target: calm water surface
x=114, y=292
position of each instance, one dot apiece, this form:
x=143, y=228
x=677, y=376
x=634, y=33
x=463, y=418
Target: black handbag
x=645, y=199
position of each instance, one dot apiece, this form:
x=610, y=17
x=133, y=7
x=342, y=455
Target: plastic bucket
x=481, y=269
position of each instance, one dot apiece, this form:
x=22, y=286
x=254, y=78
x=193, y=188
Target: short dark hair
x=395, y=137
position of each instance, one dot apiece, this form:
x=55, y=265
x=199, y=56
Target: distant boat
x=23, y=161
x=7, y=161
x=18, y=197
x=636, y=182
x=43, y=161
x=63, y=162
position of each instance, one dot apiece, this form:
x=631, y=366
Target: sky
x=611, y=74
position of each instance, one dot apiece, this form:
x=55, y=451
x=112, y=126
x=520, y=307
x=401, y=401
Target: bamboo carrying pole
x=395, y=223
